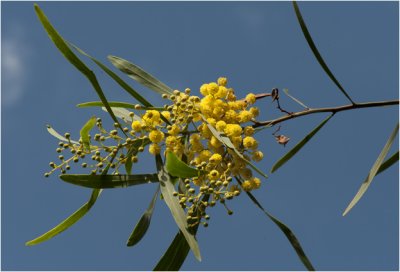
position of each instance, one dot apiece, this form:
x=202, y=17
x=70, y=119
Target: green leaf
x=111, y=103
x=299, y=146
x=116, y=78
x=389, y=162
x=227, y=142
x=75, y=217
x=140, y=75
x=374, y=170
x=286, y=230
x=109, y=181
x=72, y=58
x=175, y=255
x=58, y=136
x=141, y=227
x=123, y=114
x=67, y=222
x=133, y=150
x=85, y=132
x=178, y=168
x=117, y=104
x=315, y=51
x=167, y=190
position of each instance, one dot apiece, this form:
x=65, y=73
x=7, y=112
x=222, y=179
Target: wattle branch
x=328, y=109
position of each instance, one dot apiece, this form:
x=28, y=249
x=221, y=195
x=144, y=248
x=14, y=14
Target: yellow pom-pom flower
x=212, y=88
x=222, y=81
x=156, y=136
x=215, y=158
x=233, y=130
x=250, y=98
x=248, y=131
x=154, y=149
x=204, y=89
x=136, y=126
x=250, y=142
x=247, y=185
x=220, y=125
x=244, y=116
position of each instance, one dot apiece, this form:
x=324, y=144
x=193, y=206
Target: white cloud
x=13, y=57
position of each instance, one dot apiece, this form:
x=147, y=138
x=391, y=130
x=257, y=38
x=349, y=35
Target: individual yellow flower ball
x=247, y=185
x=250, y=142
x=212, y=88
x=136, y=126
x=230, y=116
x=222, y=81
x=151, y=117
x=156, y=136
x=254, y=111
x=256, y=182
x=154, y=149
x=215, y=158
x=233, y=130
x=248, y=131
x=250, y=98
x=244, y=116
x=204, y=89
x=174, y=130
x=222, y=92
x=220, y=125
x=213, y=175
x=258, y=156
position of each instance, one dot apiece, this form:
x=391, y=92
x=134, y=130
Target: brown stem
x=330, y=109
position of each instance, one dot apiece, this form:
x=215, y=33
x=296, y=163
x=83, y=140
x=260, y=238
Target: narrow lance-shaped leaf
x=286, y=230
x=315, y=51
x=59, y=136
x=178, y=168
x=227, y=142
x=72, y=58
x=299, y=146
x=374, y=170
x=177, y=252
x=109, y=181
x=140, y=75
x=389, y=162
x=142, y=226
x=85, y=132
x=123, y=114
x=75, y=217
x=167, y=190
x=116, y=78
x=117, y=104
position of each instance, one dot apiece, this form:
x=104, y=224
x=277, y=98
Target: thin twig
x=330, y=109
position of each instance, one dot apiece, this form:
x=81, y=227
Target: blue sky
x=258, y=46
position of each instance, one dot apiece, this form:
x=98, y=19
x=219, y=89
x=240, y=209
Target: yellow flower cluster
x=187, y=134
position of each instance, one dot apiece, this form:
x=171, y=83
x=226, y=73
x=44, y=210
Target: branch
x=330, y=109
